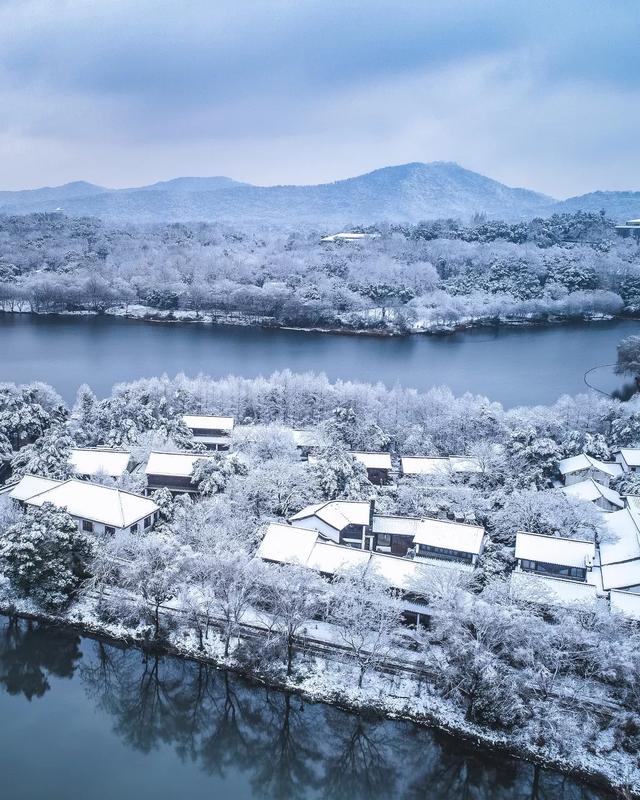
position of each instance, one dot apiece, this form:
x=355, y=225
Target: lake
x=82, y=718
x=512, y=365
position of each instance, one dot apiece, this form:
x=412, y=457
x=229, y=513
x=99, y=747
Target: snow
x=96, y=503
x=287, y=544
x=404, y=526
x=581, y=462
x=305, y=438
x=627, y=603
x=333, y=558
x=451, y=535
x=434, y=465
x=591, y=491
x=622, y=575
x=207, y=422
x=553, y=550
x=622, y=526
x=373, y=460
x=631, y=456
x=553, y=591
x=31, y=485
x=337, y=513
x=94, y=460
x=178, y=465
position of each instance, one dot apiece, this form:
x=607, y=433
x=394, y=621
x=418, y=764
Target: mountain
x=405, y=193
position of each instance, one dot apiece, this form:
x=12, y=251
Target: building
x=412, y=466
x=213, y=432
x=378, y=466
x=620, y=550
x=550, y=555
x=90, y=461
x=306, y=441
x=628, y=458
x=549, y=591
x=582, y=467
x=625, y=603
x=172, y=471
x=348, y=236
x=96, y=509
x=593, y=492
x=357, y=525
x=286, y=544
x=630, y=228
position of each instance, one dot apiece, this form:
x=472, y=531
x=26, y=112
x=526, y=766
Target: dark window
x=87, y=526
x=384, y=539
x=134, y=528
x=109, y=530
x=147, y=521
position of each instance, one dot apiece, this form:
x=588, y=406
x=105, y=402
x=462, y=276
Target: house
x=172, y=471
x=348, y=236
x=286, y=544
x=625, y=603
x=213, y=432
x=90, y=461
x=439, y=465
x=630, y=228
x=378, y=466
x=628, y=458
x=358, y=525
x=306, y=441
x=550, y=591
x=579, y=468
x=593, y=492
x=95, y=508
x=620, y=549
x=551, y=555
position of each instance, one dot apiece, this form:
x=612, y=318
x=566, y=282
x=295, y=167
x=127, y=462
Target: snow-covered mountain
x=405, y=193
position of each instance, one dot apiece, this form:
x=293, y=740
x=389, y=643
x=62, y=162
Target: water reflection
x=283, y=746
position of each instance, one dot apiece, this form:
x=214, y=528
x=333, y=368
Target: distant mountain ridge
x=405, y=193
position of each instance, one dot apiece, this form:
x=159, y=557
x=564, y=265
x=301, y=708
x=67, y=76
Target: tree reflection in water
x=286, y=747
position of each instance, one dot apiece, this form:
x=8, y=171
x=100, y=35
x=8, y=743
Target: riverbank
x=388, y=693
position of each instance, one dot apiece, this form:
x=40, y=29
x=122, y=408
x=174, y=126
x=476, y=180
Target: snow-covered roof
x=388, y=523
x=590, y=491
x=626, y=545
x=96, y=460
x=435, y=465
x=450, y=535
x=31, y=485
x=631, y=455
x=627, y=603
x=208, y=423
x=179, y=465
x=305, y=438
x=337, y=513
x=621, y=575
x=465, y=464
x=582, y=461
x=333, y=558
x=287, y=544
x=553, y=591
x=373, y=460
x=554, y=550
x=348, y=236
x=102, y=504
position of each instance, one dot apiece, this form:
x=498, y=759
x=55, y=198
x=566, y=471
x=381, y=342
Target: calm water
x=514, y=366
x=85, y=719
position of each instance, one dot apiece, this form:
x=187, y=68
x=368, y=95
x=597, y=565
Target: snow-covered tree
x=48, y=456
x=212, y=475
x=338, y=474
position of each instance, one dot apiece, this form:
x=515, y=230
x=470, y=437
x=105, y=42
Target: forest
x=425, y=277
x=558, y=684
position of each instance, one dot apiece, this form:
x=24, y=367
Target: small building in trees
x=172, y=471
x=582, y=467
x=95, y=508
x=591, y=491
x=625, y=603
x=571, y=559
x=628, y=458
x=441, y=539
x=629, y=228
x=378, y=466
x=90, y=461
x=620, y=550
x=211, y=431
x=547, y=590
x=412, y=466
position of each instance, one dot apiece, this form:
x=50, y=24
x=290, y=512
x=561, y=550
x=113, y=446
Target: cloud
x=121, y=93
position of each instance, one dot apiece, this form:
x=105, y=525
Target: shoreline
x=434, y=717
x=148, y=314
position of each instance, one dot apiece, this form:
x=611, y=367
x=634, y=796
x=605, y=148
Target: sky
x=533, y=93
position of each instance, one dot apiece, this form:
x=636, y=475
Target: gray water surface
x=515, y=366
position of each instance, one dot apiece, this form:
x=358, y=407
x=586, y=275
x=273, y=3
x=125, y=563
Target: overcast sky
x=126, y=92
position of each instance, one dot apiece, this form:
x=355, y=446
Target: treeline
x=431, y=275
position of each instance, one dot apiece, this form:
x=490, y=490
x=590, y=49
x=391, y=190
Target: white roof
x=31, y=485
x=627, y=603
x=451, y=535
x=348, y=236
x=590, y=491
x=434, y=465
x=583, y=461
x=465, y=464
x=373, y=460
x=622, y=575
x=387, y=523
x=305, y=438
x=207, y=422
x=622, y=526
x=95, y=460
x=553, y=591
x=333, y=558
x=631, y=455
x=286, y=544
x=96, y=503
x=337, y=513
x=554, y=550
x=178, y=465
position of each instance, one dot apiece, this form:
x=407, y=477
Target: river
x=82, y=718
x=515, y=366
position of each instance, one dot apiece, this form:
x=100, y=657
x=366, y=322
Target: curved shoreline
x=492, y=742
